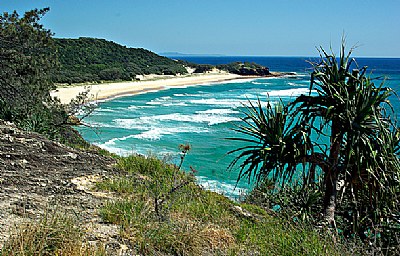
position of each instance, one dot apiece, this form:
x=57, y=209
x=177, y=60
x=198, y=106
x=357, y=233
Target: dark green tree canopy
x=27, y=60
x=91, y=59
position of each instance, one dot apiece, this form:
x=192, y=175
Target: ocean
x=203, y=116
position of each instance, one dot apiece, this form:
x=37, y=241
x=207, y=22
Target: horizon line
x=281, y=56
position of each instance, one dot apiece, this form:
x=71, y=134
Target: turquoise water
x=202, y=116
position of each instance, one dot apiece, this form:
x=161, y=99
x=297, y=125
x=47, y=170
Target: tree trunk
x=330, y=198
x=331, y=174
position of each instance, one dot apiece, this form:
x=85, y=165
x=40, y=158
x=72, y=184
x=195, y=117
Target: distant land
x=179, y=54
x=91, y=60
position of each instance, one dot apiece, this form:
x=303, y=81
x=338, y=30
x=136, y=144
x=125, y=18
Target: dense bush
x=245, y=68
x=240, y=68
x=203, y=68
x=91, y=60
x=28, y=61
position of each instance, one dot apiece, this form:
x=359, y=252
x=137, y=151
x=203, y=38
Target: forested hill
x=90, y=59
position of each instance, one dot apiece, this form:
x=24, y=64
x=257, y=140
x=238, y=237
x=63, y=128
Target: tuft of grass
x=54, y=234
x=118, y=185
x=123, y=212
x=275, y=237
x=149, y=165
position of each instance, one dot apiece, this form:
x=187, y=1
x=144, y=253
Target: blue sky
x=229, y=27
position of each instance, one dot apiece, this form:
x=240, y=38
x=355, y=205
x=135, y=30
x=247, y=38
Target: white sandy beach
x=112, y=90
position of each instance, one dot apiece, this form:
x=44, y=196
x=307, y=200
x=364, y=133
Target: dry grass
x=54, y=234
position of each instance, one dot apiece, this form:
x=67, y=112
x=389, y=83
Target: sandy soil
x=112, y=90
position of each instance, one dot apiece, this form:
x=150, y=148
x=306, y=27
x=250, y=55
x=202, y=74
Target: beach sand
x=112, y=90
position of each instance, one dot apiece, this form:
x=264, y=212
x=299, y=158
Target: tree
x=28, y=60
x=27, y=57
x=345, y=135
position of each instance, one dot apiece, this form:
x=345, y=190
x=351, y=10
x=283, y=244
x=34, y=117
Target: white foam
x=100, y=125
x=155, y=133
x=167, y=104
x=135, y=123
x=218, y=111
x=237, y=81
x=287, y=92
x=210, y=119
x=116, y=150
x=166, y=101
x=231, y=103
x=153, y=102
x=107, y=110
x=112, y=142
x=295, y=74
x=182, y=104
x=159, y=101
x=247, y=96
x=165, y=98
x=188, y=95
x=260, y=83
x=133, y=107
x=221, y=187
x=221, y=102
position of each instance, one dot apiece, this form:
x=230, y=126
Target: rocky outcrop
x=37, y=174
x=262, y=71
x=245, y=69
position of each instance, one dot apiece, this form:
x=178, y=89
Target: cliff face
x=37, y=174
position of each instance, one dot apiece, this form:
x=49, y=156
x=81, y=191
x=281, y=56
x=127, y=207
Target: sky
x=228, y=27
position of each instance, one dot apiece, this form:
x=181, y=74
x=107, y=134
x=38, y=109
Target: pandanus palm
x=355, y=112
x=359, y=162
x=275, y=147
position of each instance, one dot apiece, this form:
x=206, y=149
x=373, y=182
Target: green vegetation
x=92, y=60
x=338, y=150
x=194, y=221
x=189, y=221
x=28, y=60
x=240, y=68
x=246, y=69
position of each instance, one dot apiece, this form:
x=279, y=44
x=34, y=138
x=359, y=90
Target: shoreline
x=112, y=90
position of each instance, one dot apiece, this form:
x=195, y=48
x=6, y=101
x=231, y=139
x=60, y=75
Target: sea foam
x=221, y=102
x=286, y=93
x=210, y=119
x=156, y=133
x=218, y=111
x=230, y=190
